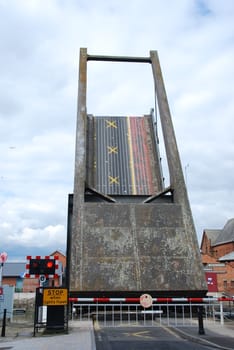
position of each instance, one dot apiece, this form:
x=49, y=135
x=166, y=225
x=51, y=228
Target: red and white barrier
x=155, y=300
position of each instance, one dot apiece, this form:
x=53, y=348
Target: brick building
x=14, y=272
x=217, y=251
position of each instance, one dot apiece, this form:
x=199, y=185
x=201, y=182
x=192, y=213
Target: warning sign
x=146, y=300
x=55, y=296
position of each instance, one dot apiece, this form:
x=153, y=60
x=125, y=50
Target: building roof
x=227, y=257
x=227, y=233
x=217, y=237
x=58, y=252
x=14, y=269
x=212, y=235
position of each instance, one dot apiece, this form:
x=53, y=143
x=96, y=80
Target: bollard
x=4, y=324
x=200, y=320
x=221, y=314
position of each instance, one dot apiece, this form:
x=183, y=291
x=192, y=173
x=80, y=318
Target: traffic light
x=42, y=266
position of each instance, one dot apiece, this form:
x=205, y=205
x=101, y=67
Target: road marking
x=111, y=124
x=112, y=149
x=170, y=331
x=131, y=160
x=141, y=334
x=113, y=180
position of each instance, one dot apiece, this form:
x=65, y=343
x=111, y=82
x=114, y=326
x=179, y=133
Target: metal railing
x=122, y=314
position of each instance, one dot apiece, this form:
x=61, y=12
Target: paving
x=81, y=336
x=216, y=335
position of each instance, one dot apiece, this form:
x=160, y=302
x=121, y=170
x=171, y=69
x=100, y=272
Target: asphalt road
x=139, y=338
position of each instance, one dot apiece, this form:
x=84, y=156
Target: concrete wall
x=133, y=247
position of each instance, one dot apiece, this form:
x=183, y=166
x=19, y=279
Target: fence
x=171, y=314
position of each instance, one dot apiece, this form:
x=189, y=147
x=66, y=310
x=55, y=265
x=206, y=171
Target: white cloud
x=38, y=95
x=47, y=237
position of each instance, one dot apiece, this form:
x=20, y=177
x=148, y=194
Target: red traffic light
x=50, y=264
x=42, y=267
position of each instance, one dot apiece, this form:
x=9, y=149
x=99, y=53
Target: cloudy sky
x=39, y=46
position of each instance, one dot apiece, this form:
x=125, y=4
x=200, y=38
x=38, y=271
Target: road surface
x=142, y=338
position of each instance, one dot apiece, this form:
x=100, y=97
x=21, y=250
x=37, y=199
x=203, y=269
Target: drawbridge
x=121, y=156
x=128, y=234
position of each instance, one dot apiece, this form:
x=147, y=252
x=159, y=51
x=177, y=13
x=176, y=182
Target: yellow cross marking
x=111, y=124
x=142, y=334
x=112, y=149
x=114, y=180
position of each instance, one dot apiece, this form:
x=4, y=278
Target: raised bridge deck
x=122, y=156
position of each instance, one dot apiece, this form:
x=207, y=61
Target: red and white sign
x=3, y=257
x=146, y=300
x=38, y=257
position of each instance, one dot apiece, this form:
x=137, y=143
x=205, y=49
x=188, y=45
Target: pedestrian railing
x=159, y=314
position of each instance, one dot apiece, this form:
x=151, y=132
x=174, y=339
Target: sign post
x=42, y=280
x=56, y=301
x=3, y=259
x=1, y=294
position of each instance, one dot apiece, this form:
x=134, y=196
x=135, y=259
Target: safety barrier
x=155, y=300
x=171, y=312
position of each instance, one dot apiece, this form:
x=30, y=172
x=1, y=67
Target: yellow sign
x=55, y=296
